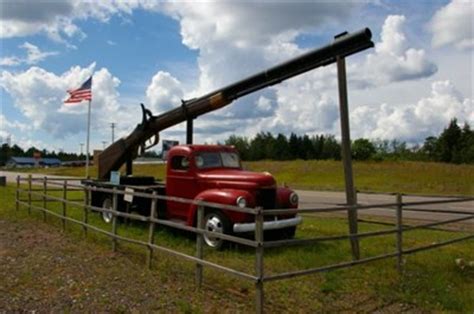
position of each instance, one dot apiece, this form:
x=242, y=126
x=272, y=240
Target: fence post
x=17, y=194
x=45, y=190
x=259, y=296
x=114, y=220
x=85, y=219
x=64, y=203
x=199, y=244
x=151, y=234
x=29, y=194
x=399, y=226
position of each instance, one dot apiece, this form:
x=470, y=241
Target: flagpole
x=88, y=136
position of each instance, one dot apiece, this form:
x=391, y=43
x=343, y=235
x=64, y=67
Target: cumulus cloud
x=226, y=54
x=393, y=60
x=57, y=19
x=33, y=56
x=9, y=125
x=413, y=122
x=39, y=95
x=453, y=25
x=164, y=92
x=17, y=133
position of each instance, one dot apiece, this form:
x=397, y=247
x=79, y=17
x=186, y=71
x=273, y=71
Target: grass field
x=404, y=177
x=431, y=281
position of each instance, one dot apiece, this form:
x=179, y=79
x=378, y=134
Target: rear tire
x=216, y=221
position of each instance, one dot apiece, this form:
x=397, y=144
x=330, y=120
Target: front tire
x=215, y=221
x=107, y=204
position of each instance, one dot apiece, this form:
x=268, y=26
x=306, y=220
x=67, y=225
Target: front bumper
x=268, y=225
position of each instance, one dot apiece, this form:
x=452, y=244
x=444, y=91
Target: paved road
x=321, y=199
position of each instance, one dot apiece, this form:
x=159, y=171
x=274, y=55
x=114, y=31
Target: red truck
x=211, y=173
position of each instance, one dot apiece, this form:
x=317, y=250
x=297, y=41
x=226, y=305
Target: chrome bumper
x=268, y=225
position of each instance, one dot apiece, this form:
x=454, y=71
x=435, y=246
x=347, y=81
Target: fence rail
x=43, y=198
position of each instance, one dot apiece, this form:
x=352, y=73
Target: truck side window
x=179, y=163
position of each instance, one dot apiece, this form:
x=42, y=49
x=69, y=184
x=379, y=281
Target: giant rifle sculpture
x=126, y=149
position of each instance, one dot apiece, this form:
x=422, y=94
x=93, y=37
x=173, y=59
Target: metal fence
x=42, y=187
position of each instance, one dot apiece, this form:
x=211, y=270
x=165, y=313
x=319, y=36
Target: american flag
x=82, y=93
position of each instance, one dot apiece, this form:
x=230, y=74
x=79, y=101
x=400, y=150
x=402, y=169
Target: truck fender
x=283, y=198
x=225, y=197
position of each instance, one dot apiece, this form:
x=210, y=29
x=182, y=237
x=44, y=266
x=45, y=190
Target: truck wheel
x=107, y=204
x=215, y=221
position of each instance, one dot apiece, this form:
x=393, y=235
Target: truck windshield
x=217, y=160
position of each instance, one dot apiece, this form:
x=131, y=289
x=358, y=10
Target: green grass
x=431, y=281
x=404, y=176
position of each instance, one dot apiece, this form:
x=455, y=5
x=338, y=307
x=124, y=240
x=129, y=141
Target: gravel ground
x=43, y=270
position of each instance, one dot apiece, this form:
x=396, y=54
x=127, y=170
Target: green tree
x=331, y=148
x=362, y=149
x=282, y=148
x=448, y=141
x=241, y=144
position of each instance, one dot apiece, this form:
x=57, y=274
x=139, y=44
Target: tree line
x=453, y=145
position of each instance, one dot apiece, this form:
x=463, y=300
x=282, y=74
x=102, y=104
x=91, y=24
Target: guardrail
x=258, y=277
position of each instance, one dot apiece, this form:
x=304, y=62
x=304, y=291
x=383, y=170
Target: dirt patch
x=44, y=270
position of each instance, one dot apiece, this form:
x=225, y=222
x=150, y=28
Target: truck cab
x=214, y=173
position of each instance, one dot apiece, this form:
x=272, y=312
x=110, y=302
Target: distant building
x=74, y=163
x=27, y=162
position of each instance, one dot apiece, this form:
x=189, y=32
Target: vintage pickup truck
x=211, y=173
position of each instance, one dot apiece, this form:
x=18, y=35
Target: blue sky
x=417, y=78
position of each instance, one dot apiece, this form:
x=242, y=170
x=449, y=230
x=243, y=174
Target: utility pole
x=82, y=146
x=112, y=125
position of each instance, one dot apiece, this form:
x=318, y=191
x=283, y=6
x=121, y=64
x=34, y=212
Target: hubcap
x=107, y=204
x=213, y=224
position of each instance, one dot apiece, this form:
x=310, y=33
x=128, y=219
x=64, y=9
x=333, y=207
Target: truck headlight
x=241, y=202
x=294, y=198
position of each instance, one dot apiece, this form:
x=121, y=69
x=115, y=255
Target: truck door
x=180, y=182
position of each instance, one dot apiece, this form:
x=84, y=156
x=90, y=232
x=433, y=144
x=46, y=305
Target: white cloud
x=33, y=56
x=453, y=24
x=9, y=125
x=10, y=61
x=164, y=92
x=413, y=122
x=39, y=95
x=57, y=19
x=393, y=60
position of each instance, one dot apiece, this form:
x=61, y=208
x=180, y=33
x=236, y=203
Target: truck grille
x=266, y=198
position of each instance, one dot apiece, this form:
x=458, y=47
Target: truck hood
x=236, y=179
